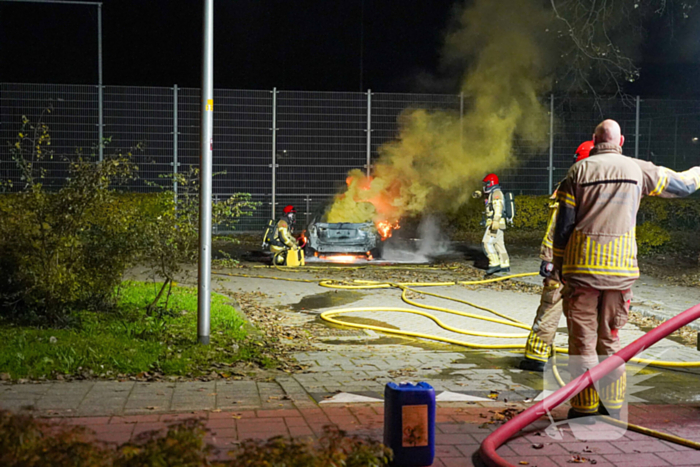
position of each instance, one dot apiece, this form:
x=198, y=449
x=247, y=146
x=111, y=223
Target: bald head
x=608, y=131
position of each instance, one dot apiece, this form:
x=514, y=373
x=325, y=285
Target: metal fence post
x=551, y=143
x=636, y=132
x=308, y=213
x=369, y=132
x=175, y=163
x=100, y=87
x=675, y=148
x=274, y=151
x=461, y=121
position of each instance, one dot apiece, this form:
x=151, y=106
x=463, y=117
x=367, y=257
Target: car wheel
x=309, y=252
x=376, y=253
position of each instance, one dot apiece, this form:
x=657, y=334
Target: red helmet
x=583, y=151
x=490, y=182
x=291, y=215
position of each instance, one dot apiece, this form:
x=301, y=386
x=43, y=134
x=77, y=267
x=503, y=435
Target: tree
x=600, y=40
x=170, y=239
x=68, y=248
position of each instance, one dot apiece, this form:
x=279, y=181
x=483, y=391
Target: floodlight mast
x=205, y=175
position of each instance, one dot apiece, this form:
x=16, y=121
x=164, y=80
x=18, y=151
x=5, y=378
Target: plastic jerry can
x=409, y=423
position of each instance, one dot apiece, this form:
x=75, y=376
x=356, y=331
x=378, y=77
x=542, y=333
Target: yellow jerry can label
x=414, y=419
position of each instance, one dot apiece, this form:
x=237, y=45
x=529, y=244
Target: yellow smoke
x=438, y=158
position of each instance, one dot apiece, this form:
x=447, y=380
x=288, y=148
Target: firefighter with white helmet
x=495, y=221
x=540, y=340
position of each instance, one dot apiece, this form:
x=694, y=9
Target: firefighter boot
x=581, y=417
x=528, y=364
x=494, y=263
x=612, y=413
x=584, y=406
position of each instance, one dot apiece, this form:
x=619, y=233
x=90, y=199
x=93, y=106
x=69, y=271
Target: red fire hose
x=502, y=434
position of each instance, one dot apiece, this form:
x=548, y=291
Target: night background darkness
x=292, y=45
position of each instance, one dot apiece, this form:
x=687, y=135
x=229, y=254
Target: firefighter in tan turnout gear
x=494, y=247
x=540, y=340
x=595, y=251
x=282, y=244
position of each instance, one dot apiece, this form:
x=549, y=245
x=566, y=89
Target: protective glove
x=546, y=269
x=476, y=194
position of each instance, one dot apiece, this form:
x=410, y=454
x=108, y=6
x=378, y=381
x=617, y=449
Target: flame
x=438, y=155
x=342, y=258
x=302, y=240
x=386, y=228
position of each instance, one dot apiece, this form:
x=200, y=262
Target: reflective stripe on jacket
x=546, y=253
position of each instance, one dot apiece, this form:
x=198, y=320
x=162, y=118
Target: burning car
x=332, y=238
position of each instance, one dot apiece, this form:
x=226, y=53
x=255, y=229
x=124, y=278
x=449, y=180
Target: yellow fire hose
x=406, y=287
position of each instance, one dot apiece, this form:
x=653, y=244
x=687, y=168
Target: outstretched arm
x=666, y=183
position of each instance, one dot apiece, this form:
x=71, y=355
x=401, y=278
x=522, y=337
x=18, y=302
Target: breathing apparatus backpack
x=269, y=232
x=509, y=207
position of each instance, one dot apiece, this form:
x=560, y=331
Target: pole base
x=204, y=340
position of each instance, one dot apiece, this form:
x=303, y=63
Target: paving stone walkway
x=362, y=362
x=459, y=431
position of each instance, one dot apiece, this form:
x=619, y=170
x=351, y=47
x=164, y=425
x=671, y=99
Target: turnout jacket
x=594, y=240
x=282, y=235
x=494, y=209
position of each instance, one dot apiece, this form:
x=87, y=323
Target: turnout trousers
x=495, y=249
x=544, y=327
x=594, y=319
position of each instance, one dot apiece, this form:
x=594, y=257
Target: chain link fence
x=296, y=147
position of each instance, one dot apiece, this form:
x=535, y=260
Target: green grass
x=127, y=341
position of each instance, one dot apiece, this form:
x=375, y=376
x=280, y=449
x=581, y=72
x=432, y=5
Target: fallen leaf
x=538, y=446
x=524, y=463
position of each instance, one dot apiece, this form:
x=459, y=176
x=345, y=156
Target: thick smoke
x=437, y=157
x=432, y=243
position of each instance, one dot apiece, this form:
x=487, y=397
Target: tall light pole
x=100, y=99
x=205, y=174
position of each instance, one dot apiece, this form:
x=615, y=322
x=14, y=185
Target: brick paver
x=289, y=406
x=457, y=437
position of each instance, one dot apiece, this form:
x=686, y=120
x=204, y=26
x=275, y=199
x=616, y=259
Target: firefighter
x=282, y=239
x=492, y=242
x=595, y=251
x=539, y=343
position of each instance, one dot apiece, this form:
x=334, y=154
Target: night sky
x=322, y=45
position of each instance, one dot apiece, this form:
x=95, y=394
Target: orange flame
x=302, y=240
x=342, y=258
x=386, y=228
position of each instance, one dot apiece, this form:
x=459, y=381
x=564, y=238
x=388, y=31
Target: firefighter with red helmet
x=493, y=244
x=540, y=340
x=282, y=240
